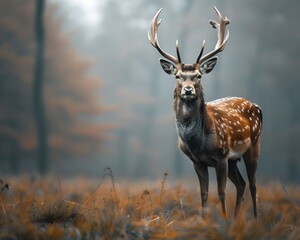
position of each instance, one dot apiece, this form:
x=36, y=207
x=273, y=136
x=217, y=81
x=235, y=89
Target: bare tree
x=38, y=98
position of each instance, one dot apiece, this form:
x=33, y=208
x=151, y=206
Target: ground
x=58, y=208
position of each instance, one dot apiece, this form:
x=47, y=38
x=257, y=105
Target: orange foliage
x=85, y=209
x=71, y=94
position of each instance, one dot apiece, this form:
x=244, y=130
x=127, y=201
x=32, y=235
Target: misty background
x=107, y=101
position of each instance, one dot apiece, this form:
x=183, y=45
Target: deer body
x=218, y=129
x=213, y=134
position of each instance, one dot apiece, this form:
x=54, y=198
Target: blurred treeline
x=72, y=102
x=108, y=75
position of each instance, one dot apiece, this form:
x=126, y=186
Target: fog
x=108, y=103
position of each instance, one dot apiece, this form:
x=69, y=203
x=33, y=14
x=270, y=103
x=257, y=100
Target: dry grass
x=33, y=208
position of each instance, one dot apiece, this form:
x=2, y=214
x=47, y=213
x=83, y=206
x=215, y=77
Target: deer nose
x=188, y=90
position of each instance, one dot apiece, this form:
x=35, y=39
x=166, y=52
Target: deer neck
x=190, y=118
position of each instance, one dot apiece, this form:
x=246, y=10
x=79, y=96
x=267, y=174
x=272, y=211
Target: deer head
x=188, y=76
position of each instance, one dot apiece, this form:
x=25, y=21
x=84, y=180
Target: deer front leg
x=221, y=172
x=202, y=173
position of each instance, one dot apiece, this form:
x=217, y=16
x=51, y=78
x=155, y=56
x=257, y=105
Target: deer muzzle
x=188, y=92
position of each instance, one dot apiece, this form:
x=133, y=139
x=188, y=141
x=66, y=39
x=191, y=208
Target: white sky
x=88, y=10
x=85, y=14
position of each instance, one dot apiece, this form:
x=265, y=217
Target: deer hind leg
x=202, y=173
x=251, y=158
x=222, y=172
x=239, y=183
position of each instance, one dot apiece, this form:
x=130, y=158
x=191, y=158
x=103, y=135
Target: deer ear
x=209, y=65
x=167, y=66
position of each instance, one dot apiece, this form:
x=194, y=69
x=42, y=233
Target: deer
x=214, y=134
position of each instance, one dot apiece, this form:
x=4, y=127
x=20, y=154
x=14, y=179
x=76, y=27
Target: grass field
x=54, y=208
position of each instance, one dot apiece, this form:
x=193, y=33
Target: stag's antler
x=222, y=39
x=152, y=36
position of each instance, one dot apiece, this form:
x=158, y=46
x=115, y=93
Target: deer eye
x=177, y=76
x=199, y=76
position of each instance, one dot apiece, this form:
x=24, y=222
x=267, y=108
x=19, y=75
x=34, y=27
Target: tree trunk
x=38, y=101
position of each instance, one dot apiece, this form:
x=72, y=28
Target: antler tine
x=152, y=36
x=218, y=12
x=177, y=51
x=222, y=37
x=201, y=52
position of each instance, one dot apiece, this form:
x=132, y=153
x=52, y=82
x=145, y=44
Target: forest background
x=108, y=103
